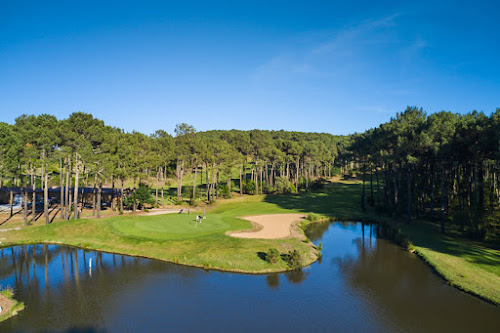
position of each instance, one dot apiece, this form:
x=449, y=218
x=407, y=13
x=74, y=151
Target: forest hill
x=415, y=164
x=444, y=163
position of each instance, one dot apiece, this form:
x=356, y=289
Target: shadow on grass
x=340, y=200
x=424, y=236
x=262, y=255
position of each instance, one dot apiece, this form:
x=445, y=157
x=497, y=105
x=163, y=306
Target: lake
x=362, y=283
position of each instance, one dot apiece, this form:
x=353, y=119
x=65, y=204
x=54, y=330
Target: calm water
x=361, y=284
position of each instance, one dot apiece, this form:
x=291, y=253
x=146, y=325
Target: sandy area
x=269, y=226
x=5, y=303
x=161, y=212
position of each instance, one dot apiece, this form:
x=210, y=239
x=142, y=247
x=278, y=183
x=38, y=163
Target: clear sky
x=316, y=66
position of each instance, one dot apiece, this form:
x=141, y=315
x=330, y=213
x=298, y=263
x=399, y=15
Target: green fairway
x=173, y=226
x=176, y=237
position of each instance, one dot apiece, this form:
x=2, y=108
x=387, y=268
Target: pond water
x=362, y=283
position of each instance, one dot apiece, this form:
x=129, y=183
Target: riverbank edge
x=403, y=240
x=298, y=233
x=14, y=309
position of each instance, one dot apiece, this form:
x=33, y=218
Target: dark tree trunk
x=157, y=183
x=94, y=197
x=134, y=207
x=99, y=196
x=432, y=193
x=363, y=191
x=442, y=197
x=162, y=186
x=194, y=185
x=217, y=184
x=11, y=198
x=409, y=194
x=121, y=195
x=33, y=199
x=378, y=187
x=25, y=201
x=46, y=197
x=76, y=213
x=61, y=183
x=241, y=184
x=372, y=198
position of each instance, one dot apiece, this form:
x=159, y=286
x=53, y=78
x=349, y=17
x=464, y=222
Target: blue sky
x=316, y=66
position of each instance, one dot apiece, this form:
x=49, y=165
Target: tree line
x=443, y=166
x=81, y=151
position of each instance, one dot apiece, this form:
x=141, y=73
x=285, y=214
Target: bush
x=292, y=258
x=283, y=185
x=141, y=197
x=224, y=191
x=249, y=186
x=8, y=292
x=301, y=183
x=336, y=171
x=273, y=256
x=313, y=217
x=318, y=184
x=268, y=188
x=187, y=191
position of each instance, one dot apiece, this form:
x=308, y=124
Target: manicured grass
x=469, y=266
x=175, y=238
x=173, y=226
x=466, y=265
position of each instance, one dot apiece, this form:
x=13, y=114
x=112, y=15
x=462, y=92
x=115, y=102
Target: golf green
x=171, y=226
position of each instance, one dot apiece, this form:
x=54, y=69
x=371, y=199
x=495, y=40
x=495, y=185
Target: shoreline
x=296, y=233
x=10, y=307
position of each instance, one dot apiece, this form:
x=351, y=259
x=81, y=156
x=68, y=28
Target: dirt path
x=269, y=226
x=160, y=212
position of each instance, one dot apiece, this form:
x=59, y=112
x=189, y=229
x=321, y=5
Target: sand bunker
x=269, y=226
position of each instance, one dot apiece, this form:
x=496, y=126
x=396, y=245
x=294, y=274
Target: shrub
x=336, y=171
x=273, y=256
x=120, y=212
x=141, y=196
x=313, y=217
x=301, y=183
x=224, y=191
x=292, y=258
x=249, y=186
x=283, y=185
x=268, y=188
x=318, y=183
x=8, y=292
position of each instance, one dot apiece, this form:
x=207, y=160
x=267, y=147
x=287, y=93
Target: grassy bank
x=14, y=306
x=176, y=238
x=469, y=266
x=466, y=265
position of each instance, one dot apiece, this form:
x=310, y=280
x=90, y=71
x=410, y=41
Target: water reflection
x=64, y=282
x=363, y=284
x=273, y=281
x=400, y=287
